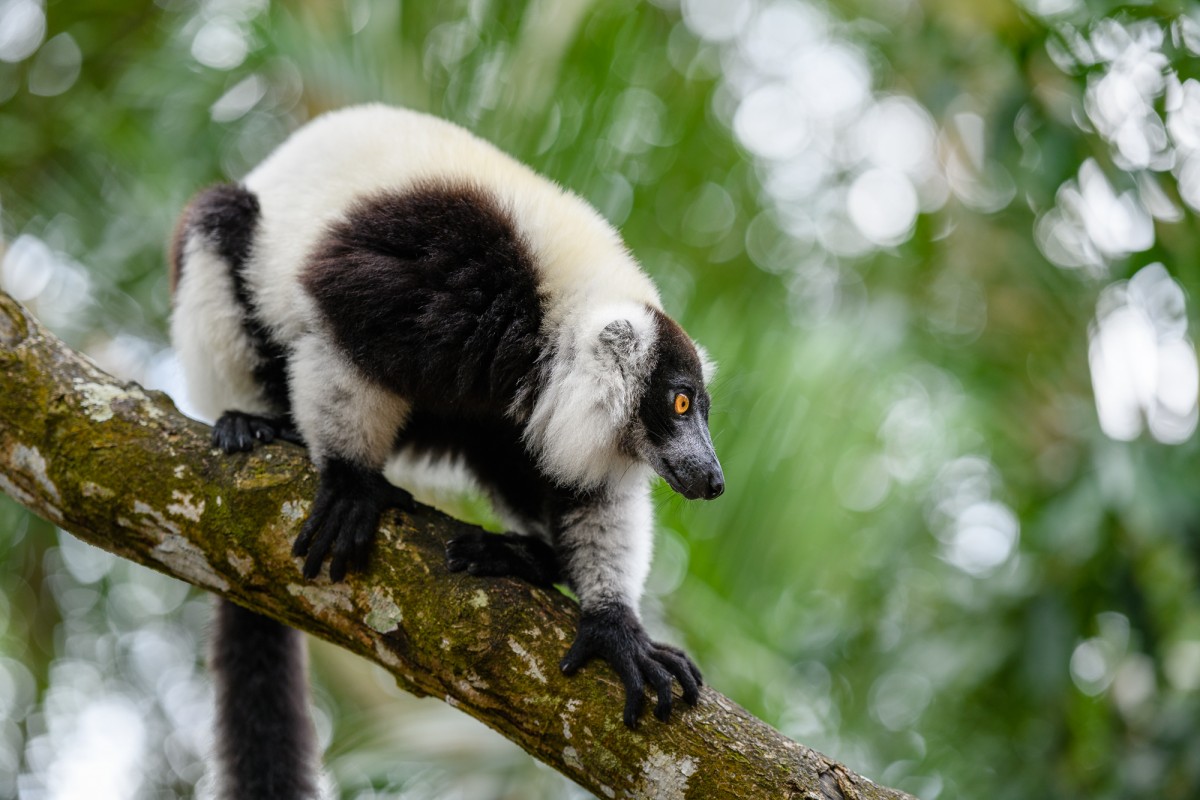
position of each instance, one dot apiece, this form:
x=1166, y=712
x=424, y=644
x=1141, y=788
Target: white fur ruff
x=589, y=397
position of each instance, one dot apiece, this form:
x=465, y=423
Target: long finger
x=580, y=653
x=635, y=688
x=322, y=541
x=345, y=546
x=319, y=511
x=660, y=679
x=681, y=668
x=686, y=659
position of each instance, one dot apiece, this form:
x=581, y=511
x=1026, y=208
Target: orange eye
x=682, y=403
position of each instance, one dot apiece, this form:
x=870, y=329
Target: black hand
x=345, y=517
x=614, y=634
x=497, y=554
x=237, y=432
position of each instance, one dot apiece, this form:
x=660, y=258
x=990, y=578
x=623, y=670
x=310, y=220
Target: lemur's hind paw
x=344, y=518
x=614, y=634
x=497, y=554
x=400, y=499
x=237, y=431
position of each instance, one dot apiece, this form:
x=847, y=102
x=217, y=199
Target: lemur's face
x=674, y=417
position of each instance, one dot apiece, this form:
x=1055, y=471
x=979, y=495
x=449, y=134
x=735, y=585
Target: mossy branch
x=120, y=468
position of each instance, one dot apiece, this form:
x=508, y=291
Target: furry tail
x=266, y=749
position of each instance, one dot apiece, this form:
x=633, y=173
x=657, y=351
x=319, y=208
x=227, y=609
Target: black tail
x=265, y=742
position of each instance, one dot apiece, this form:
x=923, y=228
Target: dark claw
x=575, y=658
x=614, y=634
x=264, y=433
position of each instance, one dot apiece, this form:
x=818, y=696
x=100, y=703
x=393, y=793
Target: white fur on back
x=207, y=331
x=313, y=178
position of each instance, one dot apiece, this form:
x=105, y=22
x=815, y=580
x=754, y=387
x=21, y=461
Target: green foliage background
x=867, y=392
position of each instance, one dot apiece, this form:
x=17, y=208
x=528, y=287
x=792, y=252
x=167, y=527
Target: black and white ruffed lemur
x=387, y=284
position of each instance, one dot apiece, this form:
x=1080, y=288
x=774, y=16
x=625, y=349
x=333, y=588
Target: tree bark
x=119, y=467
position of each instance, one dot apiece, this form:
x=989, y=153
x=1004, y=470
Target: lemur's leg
x=349, y=424
x=604, y=544
x=234, y=368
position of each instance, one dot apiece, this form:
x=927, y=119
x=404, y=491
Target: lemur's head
x=671, y=429
x=625, y=383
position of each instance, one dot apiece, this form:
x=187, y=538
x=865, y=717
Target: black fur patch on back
x=432, y=293
x=677, y=368
x=227, y=217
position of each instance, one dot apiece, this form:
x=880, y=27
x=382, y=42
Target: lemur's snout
x=716, y=485
x=702, y=482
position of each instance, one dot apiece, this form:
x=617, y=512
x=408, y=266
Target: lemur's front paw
x=345, y=517
x=497, y=554
x=237, y=432
x=614, y=634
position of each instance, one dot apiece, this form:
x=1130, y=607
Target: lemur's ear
x=623, y=346
x=618, y=340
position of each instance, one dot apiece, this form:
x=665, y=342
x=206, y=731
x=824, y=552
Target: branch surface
x=119, y=467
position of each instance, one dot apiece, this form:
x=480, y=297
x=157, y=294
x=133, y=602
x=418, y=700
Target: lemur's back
x=323, y=176
x=316, y=176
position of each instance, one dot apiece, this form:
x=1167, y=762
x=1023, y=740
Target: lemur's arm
x=604, y=549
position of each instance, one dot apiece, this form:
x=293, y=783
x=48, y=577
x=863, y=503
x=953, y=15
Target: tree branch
x=120, y=468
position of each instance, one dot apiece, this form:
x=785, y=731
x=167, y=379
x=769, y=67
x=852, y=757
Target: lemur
x=387, y=283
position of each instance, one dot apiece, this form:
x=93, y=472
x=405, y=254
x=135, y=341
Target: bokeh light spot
x=56, y=67
x=22, y=26
x=220, y=43
x=883, y=205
